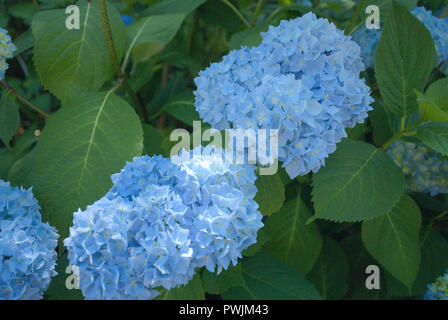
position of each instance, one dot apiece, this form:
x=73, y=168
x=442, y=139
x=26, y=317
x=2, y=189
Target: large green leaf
x=435, y=136
x=267, y=278
x=271, y=193
x=330, y=273
x=68, y=61
x=152, y=140
x=393, y=240
x=83, y=143
x=9, y=117
x=358, y=182
x=433, y=105
x=191, y=291
x=217, y=284
x=404, y=58
x=292, y=241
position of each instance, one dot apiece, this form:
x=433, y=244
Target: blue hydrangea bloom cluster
x=6, y=51
x=426, y=170
x=27, y=246
x=160, y=221
x=368, y=39
x=439, y=289
x=303, y=79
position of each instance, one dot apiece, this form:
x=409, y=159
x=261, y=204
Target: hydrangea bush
x=100, y=120
x=27, y=246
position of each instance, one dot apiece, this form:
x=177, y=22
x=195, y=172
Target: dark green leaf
x=271, y=193
x=435, y=136
x=292, y=241
x=217, y=284
x=358, y=182
x=9, y=117
x=404, y=58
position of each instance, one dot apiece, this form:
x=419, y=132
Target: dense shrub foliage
x=90, y=113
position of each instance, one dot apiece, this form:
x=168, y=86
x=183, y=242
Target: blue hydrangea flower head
x=368, y=41
x=439, y=289
x=27, y=246
x=127, y=19
x=160, y=221
x=438, y=27
x=425, y=170
x=6, y=51
x=303, y=80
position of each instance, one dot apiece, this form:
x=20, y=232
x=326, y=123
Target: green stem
x=403, y=132
x=444, y=13
x=22, y=99
x=237, y=12
x=351, y=25
x=110, y=45
x=257, y=12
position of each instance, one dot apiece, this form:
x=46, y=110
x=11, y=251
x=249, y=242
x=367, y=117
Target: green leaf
x=358, y=182
x=174, y=6
x=435, y=136
x=217, y=284
x=154, y=29
x=6, y=161
x=192, y=291
x=381, y=120
x=69, y=61
x=404, y=58
x=330, y=273
x=23, y=42
x=433, y=105
x=267, y=278
x=271, y=193
x=152, y=140
x=9, y=117
x=58, y=289
x=182, y=108
x=433, y=264
x=82, y=144
x=393, y=240
x=293, y=242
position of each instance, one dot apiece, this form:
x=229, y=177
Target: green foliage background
x=98, y=108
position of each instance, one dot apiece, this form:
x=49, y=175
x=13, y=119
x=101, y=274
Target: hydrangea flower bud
x=438, y=27
x=27, y=246
x=439, y=289
x=161, y=221
x=425, y=170
x=303, y=79
x=6, y=51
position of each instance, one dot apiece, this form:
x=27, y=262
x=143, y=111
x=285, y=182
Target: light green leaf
x=192, y=291
x=82, y=144
x=267, y=278
x=217, y=284
x=330, y=273
x=9, y=117
x=393, y=240
x=158, y=29
x=404, y=58
x=271, y=193
x=293, y=242
x=435, y=136
x=358, y=182
x=433, y=105
x=70, y=61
